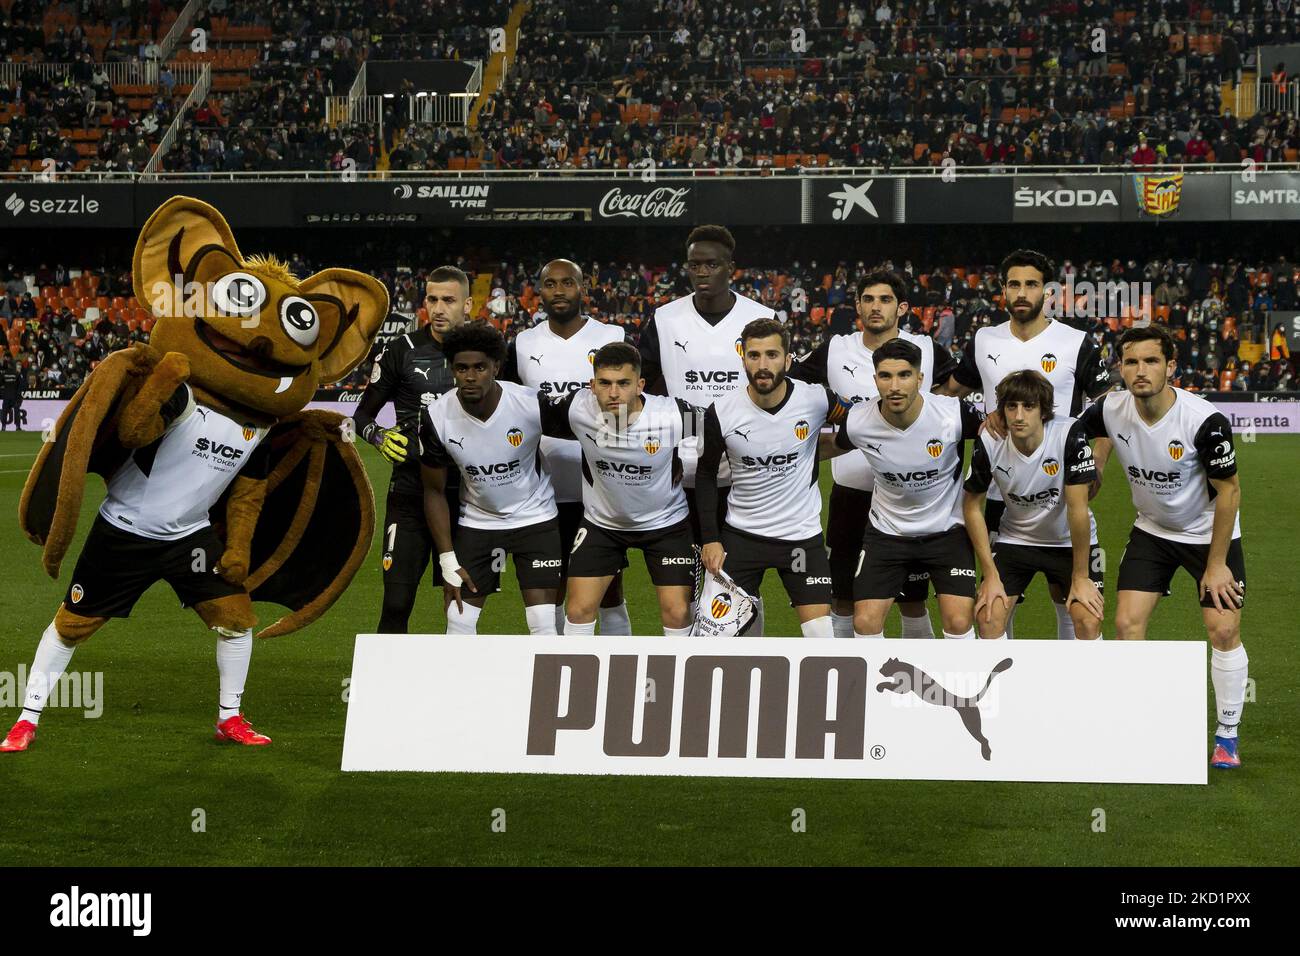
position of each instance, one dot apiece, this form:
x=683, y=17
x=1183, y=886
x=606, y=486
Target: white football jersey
x=851, y=374
x=1033, y=486
x=773, y=458
x=627, y=476
x=918, y=468
x=165, y=489
x=1066, y=355
x=554, y=365
x=701, y=362
x=1169, y=464
x=503, y=482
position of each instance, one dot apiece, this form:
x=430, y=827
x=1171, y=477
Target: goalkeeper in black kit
x=411, y=372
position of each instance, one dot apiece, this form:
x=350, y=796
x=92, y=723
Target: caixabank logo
x=810, y=682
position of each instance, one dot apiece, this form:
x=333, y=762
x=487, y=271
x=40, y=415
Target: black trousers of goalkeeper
x=408, y=549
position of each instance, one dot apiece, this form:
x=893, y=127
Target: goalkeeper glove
x=392, y=444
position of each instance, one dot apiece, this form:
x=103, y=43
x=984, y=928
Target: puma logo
x=737, y=431
x=1005, y=471
x=873, y=446
x=850, y=369
x=993, y=357
x=203, y=412
x=421, y=371
x=1124, y=439
x=535, y=358
x=906, y=677
x=681, y=345
x=454, y=441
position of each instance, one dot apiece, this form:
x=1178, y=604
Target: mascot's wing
x=316, y=523
x=84, y=440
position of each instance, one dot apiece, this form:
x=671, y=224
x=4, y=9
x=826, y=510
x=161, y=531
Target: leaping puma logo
x=849, y=369
x=1124, y=439
x=994, y=357
x=1005, y=471
x=535, y=358
x=681, y=345
x=873, y=446
x=453, y=441
x=906, y=677
x=737, y=431
x=422, y=371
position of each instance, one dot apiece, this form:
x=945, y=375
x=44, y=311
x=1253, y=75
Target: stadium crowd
x=1211, y=308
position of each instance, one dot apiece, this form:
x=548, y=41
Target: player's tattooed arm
x=554, y=414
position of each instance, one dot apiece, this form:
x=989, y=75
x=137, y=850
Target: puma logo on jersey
x=421, y=371
x=849, y=369
x=1124, y=439
x=993, y=358
x=681, y=345
x=908, y=678
x=455, y=441
x=1005, y=471
x=202, y=412
x=737, y=431
x=874, y=447
x=535, y=358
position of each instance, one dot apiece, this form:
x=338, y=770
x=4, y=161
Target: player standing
x=1029, y=339
x=555, y=357
x=631, y=488
x=769, y=433
x=491, y=433
x=844, y=363
x=1044, y=469
x=411, y=372
x=913, y=443
x=1181, y=465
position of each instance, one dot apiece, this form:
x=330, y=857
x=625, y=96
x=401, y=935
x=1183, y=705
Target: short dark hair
x=1028, y=387
x=897, y=349
x=1027, y=257
x=476, y=336
x=449, y=274
x=887, y=277
x=761, y=329
x=1148, y=333
x=615, y=354
x=719, y=234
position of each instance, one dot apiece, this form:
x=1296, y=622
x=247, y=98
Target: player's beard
x=767, y=388
x=571, y=312
x=1035, y=313
x=878, y=325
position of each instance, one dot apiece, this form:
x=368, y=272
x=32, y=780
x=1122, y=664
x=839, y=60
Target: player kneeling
x=1044, y=469
x=631, y=488
x=491, y=431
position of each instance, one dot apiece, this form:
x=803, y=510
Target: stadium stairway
x=232, y=51
x=498, y=62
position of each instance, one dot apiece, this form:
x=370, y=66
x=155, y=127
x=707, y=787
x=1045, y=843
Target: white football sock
x=967, y=636
x=842, y=625
x=859, y=634
x=1228, y=672
x=233, y=655
x=918, y=628
x=677, y=631
x=818, y=627
x=540, y=618
x=1064, y=623
x=51, y=660
x=582, y=630
x=463, y=622
x=1011, y=634
x=615, y=620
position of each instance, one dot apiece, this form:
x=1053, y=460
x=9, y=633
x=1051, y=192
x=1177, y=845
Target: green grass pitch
x=124, y=789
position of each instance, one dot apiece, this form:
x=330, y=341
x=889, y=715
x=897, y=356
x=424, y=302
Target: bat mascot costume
x=219, y=482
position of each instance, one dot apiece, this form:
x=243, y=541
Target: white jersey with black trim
x=773, y=458
x=851, y=374
x=1065, y=355
x=549, y=363
x=701, y=362
x=1033, y=486
x=165, y=489
x=503, y=483
x=918, y=469
x=1169, y=464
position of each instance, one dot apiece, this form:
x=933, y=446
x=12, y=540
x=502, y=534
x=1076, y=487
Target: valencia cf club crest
x=1051, y=466
x=1048, y=362
x=388, y=561
x=77, y=593
x=721, y=605
x=934, y=447
x=801, y=429
x=740, y=350
x=515, y=437
x=249, y=431
x=651, y=445
x=1159, y=195
x=1176, y=450
x=591, y=356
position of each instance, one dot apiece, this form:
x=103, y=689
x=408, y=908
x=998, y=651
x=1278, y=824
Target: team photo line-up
x=700, y=446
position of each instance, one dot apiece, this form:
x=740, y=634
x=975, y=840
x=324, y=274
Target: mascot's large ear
x=352, y=306
x=178, y=230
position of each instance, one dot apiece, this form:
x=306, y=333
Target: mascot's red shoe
x=20, y=738
x=240, y=731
